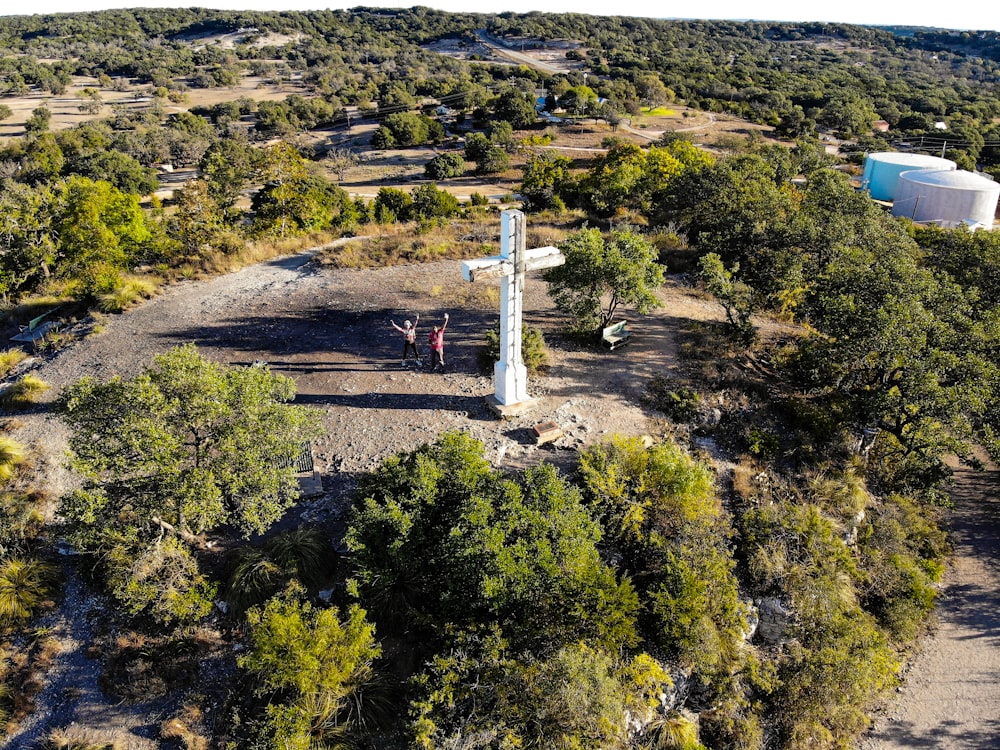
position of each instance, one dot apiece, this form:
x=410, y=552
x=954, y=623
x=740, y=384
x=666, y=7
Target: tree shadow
x=473, y=407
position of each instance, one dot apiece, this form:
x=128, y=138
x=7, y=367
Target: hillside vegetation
x=750, y=579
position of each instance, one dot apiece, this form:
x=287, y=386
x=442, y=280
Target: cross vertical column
x=510, y=374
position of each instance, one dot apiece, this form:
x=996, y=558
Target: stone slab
x=509, y=411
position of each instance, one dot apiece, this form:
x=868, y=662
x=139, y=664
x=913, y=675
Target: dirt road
x=951, y=697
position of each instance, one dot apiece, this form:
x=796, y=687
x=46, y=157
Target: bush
x=124, y=296
x=444, y=166
x=534, y=352
x=300, y=554
x=680, y=405
x=24, y=585
x=11, y=455
x=9, y=359
x=23, y=392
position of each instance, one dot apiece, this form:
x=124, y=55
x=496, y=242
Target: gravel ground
x=950, y=699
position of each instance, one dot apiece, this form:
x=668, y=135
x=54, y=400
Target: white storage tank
x=882, y=171
x=946, y=197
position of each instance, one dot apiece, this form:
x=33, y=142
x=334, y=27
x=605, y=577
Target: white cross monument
x=511, y=394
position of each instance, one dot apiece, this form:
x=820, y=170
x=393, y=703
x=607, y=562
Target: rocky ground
x=950, y=699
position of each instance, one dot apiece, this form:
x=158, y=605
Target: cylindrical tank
x=882, y=171
x=946, y=197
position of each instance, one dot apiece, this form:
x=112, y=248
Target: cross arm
x=543, y=257
x=486, y=268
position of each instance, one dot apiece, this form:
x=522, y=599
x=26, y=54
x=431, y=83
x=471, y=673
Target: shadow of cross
x=510, y=374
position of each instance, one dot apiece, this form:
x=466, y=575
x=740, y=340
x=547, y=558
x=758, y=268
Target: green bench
x=615, y=335
x=37, y=328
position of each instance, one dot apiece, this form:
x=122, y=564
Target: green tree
x=612, y=181
x=27, y=244
x=98, y=224
x=121, y=170
x=316, y=669
x=573, y=698
x=179, y=450
x=515, y=106
x=736, y=297
x=43, y=159
x=431, y=203
x=660, y=509
x=39, y=120
x=441, y=540
x=580, y=100
x=602, y=274
x=392, y=205
x=545, y=174
x=493, y=160
x=229, y=166
x=298, y=204
x=445, y=166
x=197, y=221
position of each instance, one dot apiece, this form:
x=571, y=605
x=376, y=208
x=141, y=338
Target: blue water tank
x=882, y=171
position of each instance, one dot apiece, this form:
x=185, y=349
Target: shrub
x=534, y=352
x=254, y=580
x=23, y=392
x=24, y=585
x=301, y=552
x=259, y=574
x=317, y=667
x=11, y=455
x=444, y=166
x=9, y=359
x=98, y=279
x=762, y=443
x=680, y=405
x=125, y=295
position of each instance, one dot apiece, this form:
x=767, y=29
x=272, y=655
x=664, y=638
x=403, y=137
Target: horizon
x=962, y=16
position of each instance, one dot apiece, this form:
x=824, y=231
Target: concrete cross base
x=509, y=411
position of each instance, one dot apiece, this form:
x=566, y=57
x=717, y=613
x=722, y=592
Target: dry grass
x=482, y=296
x=9, y=359
x=132, y=290
x=181, y=728
x=75, y=737
x=12, y=455
x=23, y=392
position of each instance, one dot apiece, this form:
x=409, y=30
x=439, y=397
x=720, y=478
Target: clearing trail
x=950, y=699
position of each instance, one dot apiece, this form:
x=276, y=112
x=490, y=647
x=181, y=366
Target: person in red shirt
x=437, y=344
x=409, y=339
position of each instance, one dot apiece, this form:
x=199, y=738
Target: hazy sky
x=959, y=14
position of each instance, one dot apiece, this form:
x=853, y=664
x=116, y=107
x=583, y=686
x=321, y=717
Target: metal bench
x=615, y=335
x=37, y=328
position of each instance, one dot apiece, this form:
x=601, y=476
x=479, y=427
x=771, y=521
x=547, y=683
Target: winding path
x=951, y=696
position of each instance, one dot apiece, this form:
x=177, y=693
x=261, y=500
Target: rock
x=774, y=620
x=222, y=606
